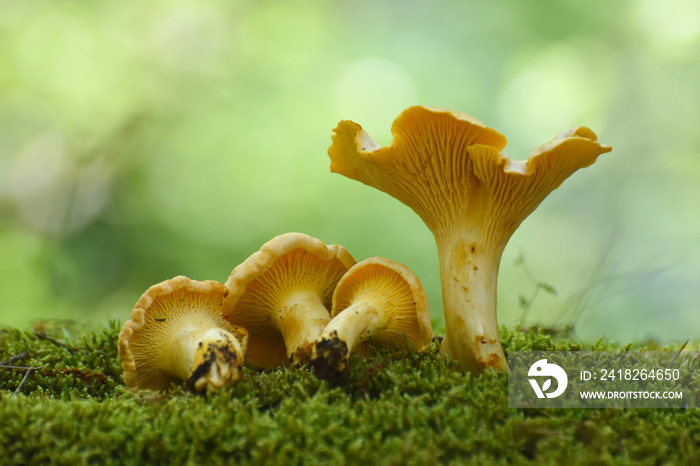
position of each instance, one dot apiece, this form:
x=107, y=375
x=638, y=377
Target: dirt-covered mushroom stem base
x=301, y=321
x=177, y=334
x=330, y=358
x=216, y=362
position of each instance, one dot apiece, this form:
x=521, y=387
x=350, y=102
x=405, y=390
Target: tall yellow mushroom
x=448, y=167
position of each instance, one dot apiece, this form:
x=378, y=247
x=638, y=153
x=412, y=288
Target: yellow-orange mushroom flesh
x=177, y=333
x=282, y=296
x=449, y=168
x=377, y=302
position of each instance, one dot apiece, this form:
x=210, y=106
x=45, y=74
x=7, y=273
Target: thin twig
x=7, y=365
x=43, y=336
x=29, y=371
x=20, y=368
x=12, y=359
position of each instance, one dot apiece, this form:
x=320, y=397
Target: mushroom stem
x=301, y=321
x=469, y=276
x=357, y=323
x=206, y=357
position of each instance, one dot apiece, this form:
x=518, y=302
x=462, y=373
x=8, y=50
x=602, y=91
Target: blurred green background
x=142, y=140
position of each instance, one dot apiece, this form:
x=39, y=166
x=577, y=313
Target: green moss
x=74, y=409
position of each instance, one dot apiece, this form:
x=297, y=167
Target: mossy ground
x=74, y=409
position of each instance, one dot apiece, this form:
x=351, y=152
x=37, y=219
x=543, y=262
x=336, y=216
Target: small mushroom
x=282, y=296
x=448, y=168
x=177, y=333
x=378, y=301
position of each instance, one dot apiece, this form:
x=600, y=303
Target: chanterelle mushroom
x=377, y=301
x=177, y=332
x=282, y=296
x=449, y=169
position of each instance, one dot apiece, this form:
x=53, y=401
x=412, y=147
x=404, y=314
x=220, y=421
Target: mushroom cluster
x=299, y=300
x=274, y=309
x=282, y=294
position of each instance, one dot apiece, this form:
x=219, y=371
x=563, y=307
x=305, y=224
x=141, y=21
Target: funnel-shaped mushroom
x=449, y=169
x=176, y=332
x=282, y=296
x=377, y=301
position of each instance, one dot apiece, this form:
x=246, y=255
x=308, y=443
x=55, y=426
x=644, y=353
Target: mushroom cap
x=448, y=167
x=425, y=167
x=516, y=188
x=395, y=289
x=157, y=316
x=259, y=287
